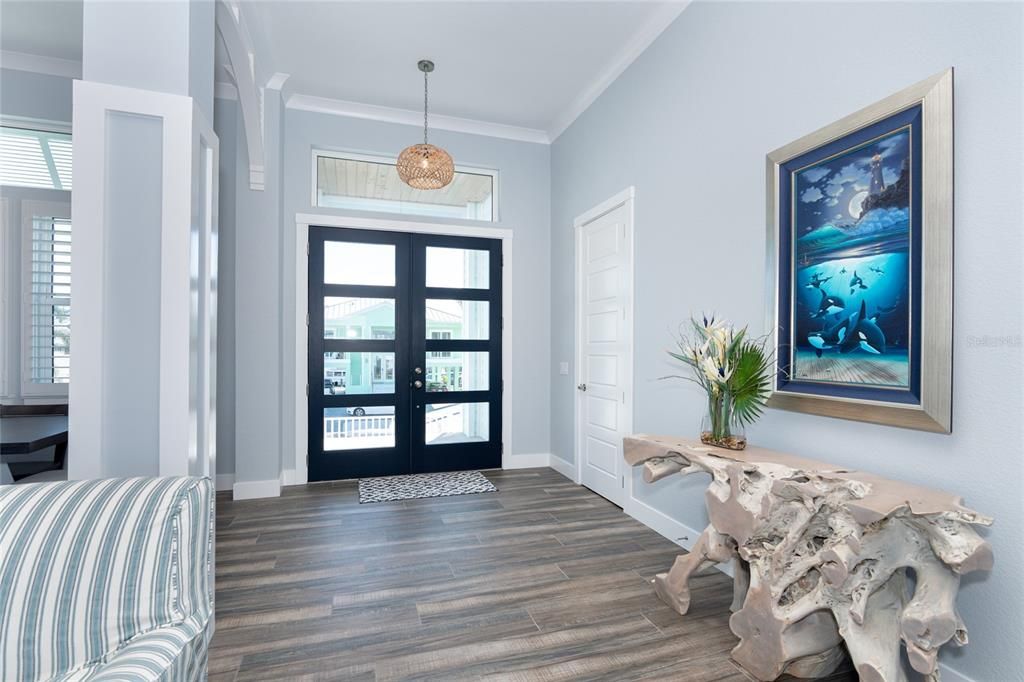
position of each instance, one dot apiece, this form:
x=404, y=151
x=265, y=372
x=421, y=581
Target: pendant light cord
x=424, y=107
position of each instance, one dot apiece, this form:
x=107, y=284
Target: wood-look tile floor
x=543, y=580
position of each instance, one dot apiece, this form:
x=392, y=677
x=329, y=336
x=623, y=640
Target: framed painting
x=860, y=256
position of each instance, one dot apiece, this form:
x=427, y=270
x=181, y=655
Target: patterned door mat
x=415, y=486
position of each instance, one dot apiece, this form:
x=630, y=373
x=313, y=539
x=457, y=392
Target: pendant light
x=424, y=166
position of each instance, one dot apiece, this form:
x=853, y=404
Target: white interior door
x=604, y=285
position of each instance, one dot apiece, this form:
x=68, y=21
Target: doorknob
x=417, y=384
x=582, y=387
x=418, y=370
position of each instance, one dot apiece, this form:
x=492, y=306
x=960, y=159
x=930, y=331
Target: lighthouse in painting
x=877, y=183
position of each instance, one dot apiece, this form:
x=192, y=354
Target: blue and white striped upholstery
x=105, y=579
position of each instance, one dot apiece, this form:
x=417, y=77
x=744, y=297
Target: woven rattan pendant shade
x=424, y=166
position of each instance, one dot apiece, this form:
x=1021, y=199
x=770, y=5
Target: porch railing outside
x=368, y=431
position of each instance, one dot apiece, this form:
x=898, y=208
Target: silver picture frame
x=933, y=411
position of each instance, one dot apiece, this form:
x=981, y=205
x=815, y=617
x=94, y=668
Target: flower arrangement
x=735, y=371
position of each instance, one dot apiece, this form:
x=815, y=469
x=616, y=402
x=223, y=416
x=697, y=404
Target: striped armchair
x=106, y=580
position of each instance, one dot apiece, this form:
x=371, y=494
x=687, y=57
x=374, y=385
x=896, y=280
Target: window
x=367, y=183
x=47, y=278
x=35, y=158
x=384, y=367
x=443, y=353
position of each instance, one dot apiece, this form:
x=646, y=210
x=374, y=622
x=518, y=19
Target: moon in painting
x=856, y=203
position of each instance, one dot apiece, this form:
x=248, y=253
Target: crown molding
x=51, y=66
x=222, y=90
x=372, y=112
x=626, y=56
x=277, y=81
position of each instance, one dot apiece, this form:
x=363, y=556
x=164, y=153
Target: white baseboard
x=665, y=525
x=526, y=461
x=292, y=477
x=225, y=481
x=250, y=490
x=950, y=675
x=567, y=469
x=662, y=523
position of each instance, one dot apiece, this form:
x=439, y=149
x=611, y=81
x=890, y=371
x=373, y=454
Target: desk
x=22, y=439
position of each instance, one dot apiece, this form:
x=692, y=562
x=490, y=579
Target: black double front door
x=404, y=353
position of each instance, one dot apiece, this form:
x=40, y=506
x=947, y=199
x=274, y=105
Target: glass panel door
x=404, y=353
x=358, y=340
x=456, y=419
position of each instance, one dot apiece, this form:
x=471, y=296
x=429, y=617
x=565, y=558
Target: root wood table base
x=823, y=555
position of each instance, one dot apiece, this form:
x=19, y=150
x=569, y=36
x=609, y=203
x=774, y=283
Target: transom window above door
x=370, y=183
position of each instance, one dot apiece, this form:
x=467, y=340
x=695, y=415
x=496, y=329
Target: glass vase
x=720, y=428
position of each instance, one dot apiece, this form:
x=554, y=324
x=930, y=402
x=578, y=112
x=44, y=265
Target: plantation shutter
x=35, y=158
x=50, y=325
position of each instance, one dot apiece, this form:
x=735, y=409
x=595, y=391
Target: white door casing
x=604, y=345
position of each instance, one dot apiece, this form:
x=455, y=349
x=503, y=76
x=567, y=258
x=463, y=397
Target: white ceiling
x=46, y=28
x=526, y=64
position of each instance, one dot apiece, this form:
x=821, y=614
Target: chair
x=106, y=580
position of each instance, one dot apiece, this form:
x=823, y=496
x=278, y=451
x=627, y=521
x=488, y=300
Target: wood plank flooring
x=543, y=580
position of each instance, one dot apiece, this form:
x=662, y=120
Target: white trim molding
x=6, y=305
x=188, y=147
x=225, y=482
x=277, y=81
x=526, y=461
x=222, y=90
x=660, y=522
x=412, y=226
x=622, y=197
x=300, y=473
x=409, y=117
x=89, y=213
x=240, y=53
x=950, y=675
x=564, y=467
x=251, y=490
x=292, y=477
x=648, y=33
x=51, y=66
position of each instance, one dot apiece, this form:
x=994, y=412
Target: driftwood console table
x=823, y=555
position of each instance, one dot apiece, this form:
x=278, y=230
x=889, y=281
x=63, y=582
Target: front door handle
x=582, y=387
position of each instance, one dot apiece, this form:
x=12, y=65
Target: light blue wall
x=261, y=399
x=164, y=46
x=131, y=325
x=524, y=206
x=689, y=124
x=225, y=124
x=35, y=95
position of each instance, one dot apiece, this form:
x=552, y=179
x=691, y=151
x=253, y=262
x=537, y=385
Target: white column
x=144, y=242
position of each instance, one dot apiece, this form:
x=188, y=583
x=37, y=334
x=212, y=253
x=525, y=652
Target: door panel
x=404, y=353
x=358, y=326
x=457, y=342
x=604, y=278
